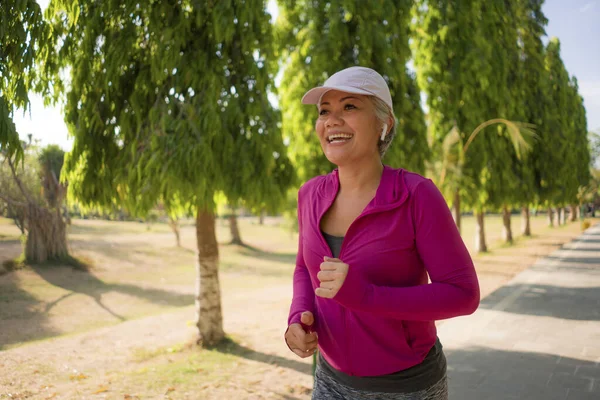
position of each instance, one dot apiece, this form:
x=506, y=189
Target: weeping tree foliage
x=565, y=166
x=168, y=101
x=24, y=59
x=317, y=39
x=467, y=55
x=26, y=62
x=531, y=101
x=579, y=148
x=500, y=182
x=453, y=57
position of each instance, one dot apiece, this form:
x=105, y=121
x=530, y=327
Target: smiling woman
x=371, y=237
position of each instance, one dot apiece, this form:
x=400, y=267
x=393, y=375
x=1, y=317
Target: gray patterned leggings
x=327, y=388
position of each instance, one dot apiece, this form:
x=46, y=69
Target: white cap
x=357, y=80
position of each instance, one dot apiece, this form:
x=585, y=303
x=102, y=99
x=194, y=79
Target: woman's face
x=347, y=127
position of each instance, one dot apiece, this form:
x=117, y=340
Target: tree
x=234, y=228
x=168, y=100
x=533, y=93
x=463, y=54
x=454, y=155
x=12, y=198
x=35, y=197
x=24, y=59
x=579, y=147
x=594, y=145
x=564, y=167
x=319, y=38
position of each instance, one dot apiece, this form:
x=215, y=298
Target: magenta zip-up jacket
x=382, y=319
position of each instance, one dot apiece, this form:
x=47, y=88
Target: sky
x=574, y=22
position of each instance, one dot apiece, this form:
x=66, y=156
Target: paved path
x=536, y=338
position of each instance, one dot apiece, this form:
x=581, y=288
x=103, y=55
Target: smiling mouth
x=339, y=137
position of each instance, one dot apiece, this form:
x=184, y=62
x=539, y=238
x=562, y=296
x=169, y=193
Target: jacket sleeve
x=303, y=294
x=454, y=288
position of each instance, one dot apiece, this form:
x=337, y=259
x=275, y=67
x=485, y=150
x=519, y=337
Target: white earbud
x=383, y=131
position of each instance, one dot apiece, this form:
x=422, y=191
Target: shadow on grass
x=83, y=282
x=229, y=346
x=250, y=251
x=21, y=312
x=20, y=320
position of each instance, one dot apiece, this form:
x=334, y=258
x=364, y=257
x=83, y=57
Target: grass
x=189, y=368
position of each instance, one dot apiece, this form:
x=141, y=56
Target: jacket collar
x=391, y=193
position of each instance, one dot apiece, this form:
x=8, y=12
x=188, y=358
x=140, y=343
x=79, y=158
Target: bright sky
x=574, y=22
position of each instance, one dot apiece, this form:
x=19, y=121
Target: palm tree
x=454, y=154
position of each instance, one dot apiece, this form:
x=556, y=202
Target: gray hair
x=383, y=114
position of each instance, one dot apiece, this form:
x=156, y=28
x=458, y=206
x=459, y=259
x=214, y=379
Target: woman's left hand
x=332, y=276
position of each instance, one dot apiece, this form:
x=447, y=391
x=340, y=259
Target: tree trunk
x=579, y=212
x=174, y=224
x=557, y=216
x=573, y=212
x=506, y=230
x=234, y=228
x=563, y=215
x=525, y=223
x=456, y=209
x=480, y=245
x=550, y=216
x=261, y=217
x=209, y=317
x=46, y=235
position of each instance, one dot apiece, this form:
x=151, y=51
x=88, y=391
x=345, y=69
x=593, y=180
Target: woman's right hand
x=301, y=342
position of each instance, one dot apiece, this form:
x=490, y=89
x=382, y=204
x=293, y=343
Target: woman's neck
x=360, y=177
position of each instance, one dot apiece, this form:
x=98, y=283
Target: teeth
x=337, y=136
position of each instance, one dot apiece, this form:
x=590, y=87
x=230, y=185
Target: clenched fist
x=301, y=342
x=332, y=276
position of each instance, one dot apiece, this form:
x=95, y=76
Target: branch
x=12, y=202
x=19, y=183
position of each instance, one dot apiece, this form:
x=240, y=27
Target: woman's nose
x=334, y=119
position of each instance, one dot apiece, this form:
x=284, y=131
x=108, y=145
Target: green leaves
x=24, y=51
x=318, y=38
x=168, y=102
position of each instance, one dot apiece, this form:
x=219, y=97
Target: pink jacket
x=382, y=319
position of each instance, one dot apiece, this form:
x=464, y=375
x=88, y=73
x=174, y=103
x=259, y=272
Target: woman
x=370, y=237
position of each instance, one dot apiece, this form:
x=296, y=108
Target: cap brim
x=313, y=96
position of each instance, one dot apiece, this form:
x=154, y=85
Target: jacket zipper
x=362, y=215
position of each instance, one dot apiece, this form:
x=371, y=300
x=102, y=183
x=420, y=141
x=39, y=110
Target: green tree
x=51, y=161
x=579, y=148
x=35, y=197
x=532, y=97
x=168, y=101
x=12, y=199
x=464, y=71
x=319, y=38
x=561, y=168
x=508, y=179
x=594, y=145
x=24, y=60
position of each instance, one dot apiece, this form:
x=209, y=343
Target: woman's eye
x=322, y=112
x=349, y=106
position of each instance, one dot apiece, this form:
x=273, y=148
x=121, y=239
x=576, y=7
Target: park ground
x=124, y=328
